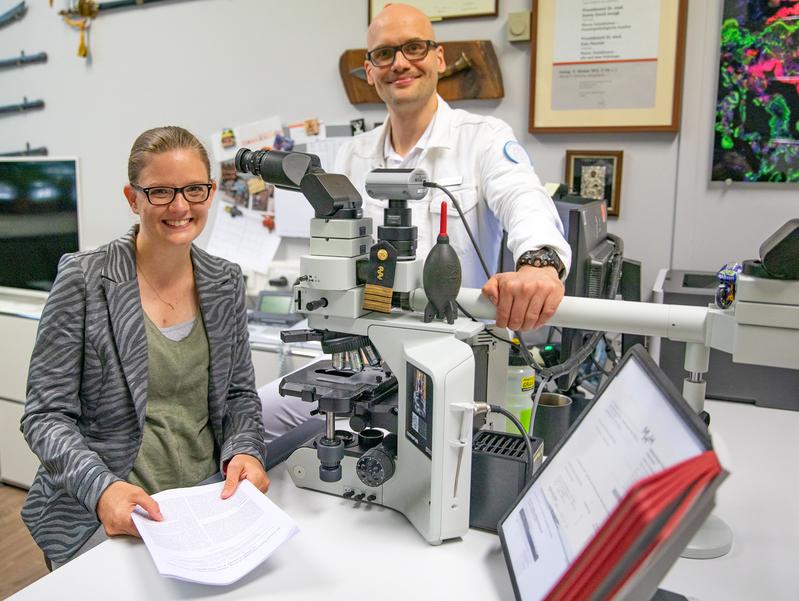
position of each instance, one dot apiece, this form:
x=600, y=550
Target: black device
x=630, y=288
x=779, y=254
x=38, y=219
x=442, y=276
x=585, y=224
x=499, y=474
x=273, y=307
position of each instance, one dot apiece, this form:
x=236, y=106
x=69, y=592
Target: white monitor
x=39, y=220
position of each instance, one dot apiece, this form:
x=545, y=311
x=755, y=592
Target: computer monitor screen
x=274, y=303
x=585, y=224
x=38, y=219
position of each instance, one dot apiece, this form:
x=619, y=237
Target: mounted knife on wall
x=21, y=107
x=41, y=151
x=22, y=59
x=472, y=72
x=13, y=14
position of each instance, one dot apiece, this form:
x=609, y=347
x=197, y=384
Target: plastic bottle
x=518, y=390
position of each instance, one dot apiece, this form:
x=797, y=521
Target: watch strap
x=543, y=257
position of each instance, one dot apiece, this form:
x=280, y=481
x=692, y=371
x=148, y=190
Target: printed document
x=207, y=540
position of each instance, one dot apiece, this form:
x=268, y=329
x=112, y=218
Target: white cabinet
x=18, y=464
x=17, y=336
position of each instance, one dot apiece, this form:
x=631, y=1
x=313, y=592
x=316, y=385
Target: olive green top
x=178, y=445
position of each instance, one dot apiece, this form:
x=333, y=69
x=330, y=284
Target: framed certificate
x=606, y=65
x=438, y=10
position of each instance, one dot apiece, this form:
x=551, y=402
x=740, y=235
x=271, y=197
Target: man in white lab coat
x=476, y=157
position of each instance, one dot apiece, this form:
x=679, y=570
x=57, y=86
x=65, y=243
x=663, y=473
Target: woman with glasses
x=141, y=378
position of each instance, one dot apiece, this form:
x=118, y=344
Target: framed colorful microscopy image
x=596, y=174
x=757, y=105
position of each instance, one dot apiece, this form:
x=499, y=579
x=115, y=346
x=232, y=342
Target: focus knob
x=376, y=466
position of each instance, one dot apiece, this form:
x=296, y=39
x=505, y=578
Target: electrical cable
x=599, y=367
x=541, y=386
x=523, y=432
x=465, y=224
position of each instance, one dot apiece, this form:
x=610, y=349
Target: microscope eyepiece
x=249, y=161
x=283, y=169
x=331, y=195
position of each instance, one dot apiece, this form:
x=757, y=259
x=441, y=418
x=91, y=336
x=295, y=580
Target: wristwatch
x=543, y=257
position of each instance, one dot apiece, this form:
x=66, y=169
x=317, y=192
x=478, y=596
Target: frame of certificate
x=606, y=65
x=439, y=10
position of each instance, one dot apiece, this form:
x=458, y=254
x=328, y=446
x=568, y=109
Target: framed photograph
x=439, y=10
x=606, y=65
x=596, y=174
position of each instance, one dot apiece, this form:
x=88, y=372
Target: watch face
x=544, y=257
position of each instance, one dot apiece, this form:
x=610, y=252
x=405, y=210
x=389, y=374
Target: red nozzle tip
x=443, y=225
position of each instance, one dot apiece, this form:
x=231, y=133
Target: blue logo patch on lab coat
x=516, y=153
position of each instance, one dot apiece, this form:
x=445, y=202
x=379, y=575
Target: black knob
x=360, y=496
x=316, y=304
x=376, y=466
x=330, y=453
x=371, y=498
x=348, y=494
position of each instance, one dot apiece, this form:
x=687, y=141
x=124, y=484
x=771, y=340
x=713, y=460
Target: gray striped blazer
x=87, y=385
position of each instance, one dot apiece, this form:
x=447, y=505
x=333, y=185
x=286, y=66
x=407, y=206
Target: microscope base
x=714, y=539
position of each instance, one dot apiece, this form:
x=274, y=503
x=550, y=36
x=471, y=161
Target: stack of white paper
x=205, y=539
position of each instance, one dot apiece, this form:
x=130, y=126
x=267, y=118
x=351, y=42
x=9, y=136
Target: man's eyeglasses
x=414, y=50
x=164, y=195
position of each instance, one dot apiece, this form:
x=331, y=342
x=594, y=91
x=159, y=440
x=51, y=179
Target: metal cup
x=552, y=419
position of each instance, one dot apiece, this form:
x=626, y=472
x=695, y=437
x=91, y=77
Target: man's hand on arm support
x=244, y=467
x=525, y=299
x=117, y=503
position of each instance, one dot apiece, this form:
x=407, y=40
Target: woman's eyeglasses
x=164, y=195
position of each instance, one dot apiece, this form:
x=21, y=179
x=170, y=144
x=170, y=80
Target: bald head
x=399, y=17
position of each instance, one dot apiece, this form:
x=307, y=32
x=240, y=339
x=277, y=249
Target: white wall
x=207, y=64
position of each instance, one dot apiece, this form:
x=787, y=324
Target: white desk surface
x=349, y=551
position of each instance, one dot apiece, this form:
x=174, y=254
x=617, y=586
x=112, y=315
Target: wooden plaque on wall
x=481, y=79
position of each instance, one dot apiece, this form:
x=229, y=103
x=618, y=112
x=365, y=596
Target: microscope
x=391, y=371
x=422, y=380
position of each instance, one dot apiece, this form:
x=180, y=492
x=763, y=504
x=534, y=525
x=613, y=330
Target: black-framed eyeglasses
x=413, y=50
x=164, y=195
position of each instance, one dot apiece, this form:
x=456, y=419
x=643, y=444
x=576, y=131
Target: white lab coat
x=466, y=154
